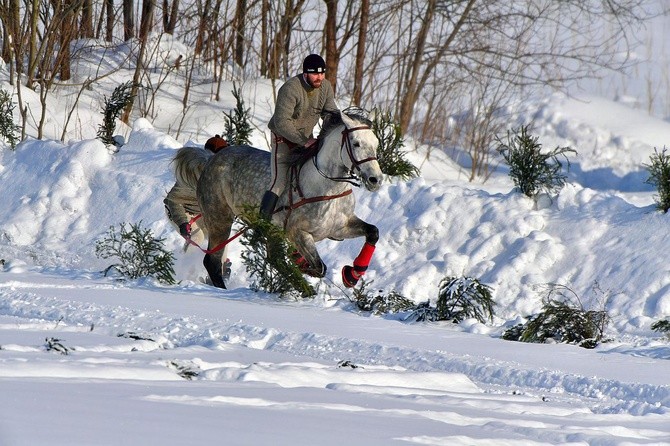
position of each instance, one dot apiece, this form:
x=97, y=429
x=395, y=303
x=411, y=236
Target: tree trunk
x=128, y=20
x=147, y=19
x=67, y=33
x=281, y=43
x=109, y=28
x=239, y=25
x=32, y=38
x=86, y=26
x=170, y=13
x=146, y=22
x=360, y=52
x=265, y=11
x=9, y=10
x=412, y=81
x=332, y=57
x=202, y=27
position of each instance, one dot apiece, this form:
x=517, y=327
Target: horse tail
x=189, y=163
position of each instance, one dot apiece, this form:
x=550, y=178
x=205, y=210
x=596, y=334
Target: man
x=181, y=203
x=301, y=101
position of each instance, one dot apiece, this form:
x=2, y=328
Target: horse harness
x=294, y=182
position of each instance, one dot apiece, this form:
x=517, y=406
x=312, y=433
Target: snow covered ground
x=318, y=372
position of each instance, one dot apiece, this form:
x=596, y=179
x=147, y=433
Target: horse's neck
x=330, y=164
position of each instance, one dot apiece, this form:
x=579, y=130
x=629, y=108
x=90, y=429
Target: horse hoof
x=307, y=269
x=348, y=278
x=218, y=283
x=313, y=273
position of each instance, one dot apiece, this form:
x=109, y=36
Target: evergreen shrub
x=7, y=127
x=562, y=319
x=390, y=155
x=138, y=253
x=462, y=298
x=659, y=176
x=114, y=105
x=378, y=302
x=237, y=127
x=268, y=258
x=459, y=298
x=662, y=327
x=531, y=170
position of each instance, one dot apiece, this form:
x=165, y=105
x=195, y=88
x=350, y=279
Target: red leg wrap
x=363, y=260
x=351, y=275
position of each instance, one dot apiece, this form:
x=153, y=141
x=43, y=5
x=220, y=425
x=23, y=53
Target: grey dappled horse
x=317, y=206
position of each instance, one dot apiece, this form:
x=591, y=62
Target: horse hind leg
x=214, y=268
x=306, y=256
x=219, y=231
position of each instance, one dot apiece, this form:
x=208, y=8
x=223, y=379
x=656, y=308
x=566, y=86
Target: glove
x=185, y=230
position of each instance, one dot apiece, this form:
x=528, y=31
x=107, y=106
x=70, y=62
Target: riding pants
x=279, y=165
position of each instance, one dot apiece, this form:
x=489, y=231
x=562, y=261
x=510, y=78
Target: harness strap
x=309, y=200
x=281, y=140
x=218, y=247
x=347, y=143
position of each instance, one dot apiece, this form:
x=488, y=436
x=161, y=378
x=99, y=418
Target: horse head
x=358, y=149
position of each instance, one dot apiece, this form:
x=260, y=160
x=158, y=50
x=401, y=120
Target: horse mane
x=333, y=119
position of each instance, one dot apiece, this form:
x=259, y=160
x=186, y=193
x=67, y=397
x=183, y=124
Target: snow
x=270, y=371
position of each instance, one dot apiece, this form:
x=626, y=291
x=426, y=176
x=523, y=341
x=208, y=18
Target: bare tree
x=106, y=20
x=146, y=23
x=128, y=19
x=109, y=28
x=421, y=67
x=360, y=52
x=281, y=43
x=265, y=12
x=330, y=31
x=86, y=23
x=32, y=12
x=239, y=25
x=170, y=13
x=67, y=10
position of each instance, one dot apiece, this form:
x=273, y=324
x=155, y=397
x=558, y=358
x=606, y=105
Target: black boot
x=268, y=204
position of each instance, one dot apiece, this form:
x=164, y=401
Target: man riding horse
x=229, y=182
x=301, y=101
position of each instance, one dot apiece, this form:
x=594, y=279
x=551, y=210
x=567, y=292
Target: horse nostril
x=373, y=180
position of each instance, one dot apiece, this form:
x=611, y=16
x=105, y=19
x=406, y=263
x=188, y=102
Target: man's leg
x=278, y=169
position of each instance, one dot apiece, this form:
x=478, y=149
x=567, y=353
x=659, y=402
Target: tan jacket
x=299, y=107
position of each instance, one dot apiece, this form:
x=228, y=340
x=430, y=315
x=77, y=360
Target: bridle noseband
x=353, y=177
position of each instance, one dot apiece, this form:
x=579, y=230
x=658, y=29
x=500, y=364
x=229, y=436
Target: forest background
x=449, y=72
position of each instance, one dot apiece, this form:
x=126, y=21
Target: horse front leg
x=351, y=274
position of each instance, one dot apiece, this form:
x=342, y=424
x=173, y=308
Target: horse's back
x=237, y=174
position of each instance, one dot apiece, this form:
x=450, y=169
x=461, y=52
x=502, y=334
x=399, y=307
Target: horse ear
x=348, y=122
